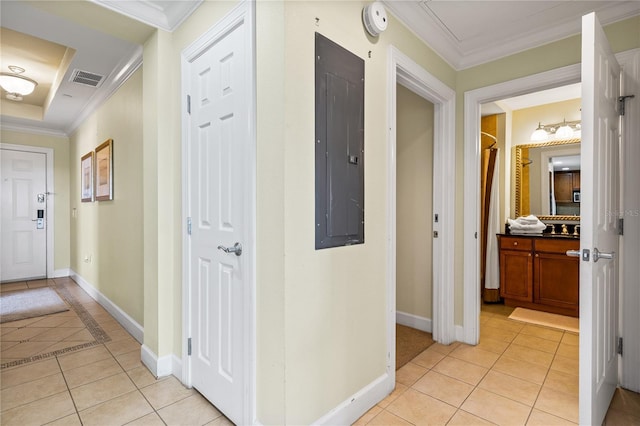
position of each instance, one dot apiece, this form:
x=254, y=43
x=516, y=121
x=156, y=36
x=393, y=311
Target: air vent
x=87, y=78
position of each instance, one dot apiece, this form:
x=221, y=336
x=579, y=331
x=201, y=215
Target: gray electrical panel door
x=339, y=145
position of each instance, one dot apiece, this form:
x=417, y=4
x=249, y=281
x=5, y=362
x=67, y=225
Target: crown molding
x=166, y=15
x=461, y=55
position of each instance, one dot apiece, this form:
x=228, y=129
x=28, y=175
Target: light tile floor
x=518, y=374
x=61, y=370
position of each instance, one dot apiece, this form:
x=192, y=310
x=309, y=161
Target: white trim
x=121, y=316
x=350, y=410
x=160, y=367
x=402, y=70
x=243, y=12
x=414, y=321
x=60, y=273
x=472, y=101
x=49, y=153
x=23, y=128
x=168, y=17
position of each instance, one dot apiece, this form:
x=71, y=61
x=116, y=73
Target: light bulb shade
x=540, y=134
x=17, y=84
x=564, y=132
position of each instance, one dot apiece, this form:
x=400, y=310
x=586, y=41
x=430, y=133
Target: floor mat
x=410, y=343
x=546, y=319
x=29, y=303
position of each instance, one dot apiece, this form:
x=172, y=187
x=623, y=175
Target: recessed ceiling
x=54, y=40
x=469, y=33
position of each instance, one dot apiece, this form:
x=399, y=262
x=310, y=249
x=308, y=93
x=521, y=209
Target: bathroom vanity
x=536, y=273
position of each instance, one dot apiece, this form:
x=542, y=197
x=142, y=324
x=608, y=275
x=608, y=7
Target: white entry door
x=219, y=206
x=24, y=234
x=599, y=219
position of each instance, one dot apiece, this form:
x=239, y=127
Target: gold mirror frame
x=519, y=178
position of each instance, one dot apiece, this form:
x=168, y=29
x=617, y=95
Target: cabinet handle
x=530, y=255
x=515, y=243
x=537, y=255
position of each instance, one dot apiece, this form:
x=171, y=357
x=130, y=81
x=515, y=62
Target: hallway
x=81, y=367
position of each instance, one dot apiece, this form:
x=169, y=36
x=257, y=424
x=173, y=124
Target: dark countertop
x=545, y=235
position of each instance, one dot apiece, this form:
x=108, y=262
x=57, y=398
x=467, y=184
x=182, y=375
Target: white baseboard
x=163, y=366
x=121, y=316
x=414, y=321
x=60, y=273
x=356, y=405
x=460, y=335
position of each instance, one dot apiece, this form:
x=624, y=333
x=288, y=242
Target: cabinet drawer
x=560, y=246
x=515, y=243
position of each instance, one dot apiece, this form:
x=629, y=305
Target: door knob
x=597, y=254
x=237, y=249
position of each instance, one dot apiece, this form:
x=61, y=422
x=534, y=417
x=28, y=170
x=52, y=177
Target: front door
x=24, y=214
x=599, y=220
x=219, y=205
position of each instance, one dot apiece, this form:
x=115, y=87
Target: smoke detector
x=374, y=17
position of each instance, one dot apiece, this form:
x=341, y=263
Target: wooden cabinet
x=564, y=183
x=536, y=273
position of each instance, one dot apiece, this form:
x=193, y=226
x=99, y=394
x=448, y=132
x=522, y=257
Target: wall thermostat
x=374, y=18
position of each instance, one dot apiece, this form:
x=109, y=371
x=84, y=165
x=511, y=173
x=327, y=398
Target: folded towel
x=528, y=224
x=524, y=232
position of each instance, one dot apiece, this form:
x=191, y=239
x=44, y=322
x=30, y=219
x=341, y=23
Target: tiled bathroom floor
x=64, y=369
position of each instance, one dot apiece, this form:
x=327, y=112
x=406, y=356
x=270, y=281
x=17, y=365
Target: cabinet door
x=516, y=275
x=576, y=180
x=556, y=280
x=563, y=185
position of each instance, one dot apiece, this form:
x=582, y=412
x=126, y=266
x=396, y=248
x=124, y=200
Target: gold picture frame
x=104, y=171
x=86, y=178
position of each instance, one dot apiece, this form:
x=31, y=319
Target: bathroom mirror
x=549, y=190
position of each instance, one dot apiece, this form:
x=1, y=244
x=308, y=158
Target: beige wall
x=110, y=232
x=414, y=150
x=61, y=214
x=335, y=299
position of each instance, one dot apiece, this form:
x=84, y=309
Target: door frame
x=244, y=12
x=403, y=70
x=48, y=152
x=472, y=104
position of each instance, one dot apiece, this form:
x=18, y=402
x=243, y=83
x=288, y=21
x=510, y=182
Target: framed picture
x=104, y=171
x=86, y=178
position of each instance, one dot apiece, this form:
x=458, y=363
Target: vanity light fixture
x=557, y=131
x=540, y=134
x=16, y=84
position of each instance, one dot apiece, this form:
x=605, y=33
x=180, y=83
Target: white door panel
x=218, y=143
x=599, y=208
x=24, y=238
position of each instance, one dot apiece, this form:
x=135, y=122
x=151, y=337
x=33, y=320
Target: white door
x=219, y=170
x=599, y=220
x=24, y=234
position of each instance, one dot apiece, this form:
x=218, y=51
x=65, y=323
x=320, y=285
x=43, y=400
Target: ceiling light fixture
x=16, y=84
x=558, y=131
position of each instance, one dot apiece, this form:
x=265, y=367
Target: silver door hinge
x=435, y=218
x=189, y=346
x=621, y=103
x=619, y=346
x=188, y=226
x=188, y=104
x=620, y=226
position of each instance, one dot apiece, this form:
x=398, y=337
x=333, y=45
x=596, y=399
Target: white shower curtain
x=492, y=270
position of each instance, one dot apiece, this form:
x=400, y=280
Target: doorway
x=27, y=229
x=413, y=77
x=414, y=210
